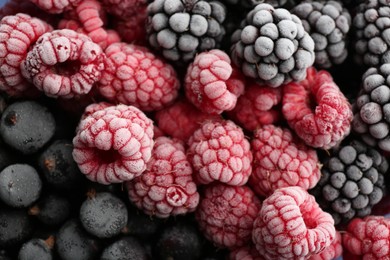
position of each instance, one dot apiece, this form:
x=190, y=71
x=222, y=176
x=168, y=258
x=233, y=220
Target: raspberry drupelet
x=64, y=63
x=281, y=160
x=219, y=151
x=247, y=252
x=123, y=8
x=55, y=6
x=291, y=225
x=225, y=214
x=333, y=251
x=317, y=110
x=18, y=33
x=166, y=188
x=113, y=145
x=135, y=76
x=212, y=84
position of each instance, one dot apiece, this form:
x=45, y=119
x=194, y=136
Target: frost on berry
x=291, y=225
x=113, y=145
x=368, y=238
x=166, y=188
x=18, y=33
x=257, y=106
x=246, y=252
x=123, y=8
x=225, y=214
x=181, y=119
x=135, y=76
x=333, y=251
x=317, y=110
x=64, y=63
x=212, y=84
x=219, y=151
x=281, y=160
x=55, y=6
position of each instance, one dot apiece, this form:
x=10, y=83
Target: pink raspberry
x=64, y=63
x=256, y=107
x=225, y=214
x=181, y=119
x=55, y=6
x=123, y=8
x=212, y=84
x=291, y=225
x=368, y=238
x=166, y=188
x=94, y=107
x=135, y=76
x=247, y=252
x=114, y=144
x=281, y=160
x=17, y=34
x=333, y=251
x=12, y=7
x=317, y=110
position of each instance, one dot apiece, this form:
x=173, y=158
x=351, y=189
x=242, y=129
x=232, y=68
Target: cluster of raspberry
x=239, y=123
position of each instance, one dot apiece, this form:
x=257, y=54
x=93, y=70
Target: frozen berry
x=247, y=252
x=132, y=28
x=123, y=8
x=127, y=248
x=51, y=209
x=36, y=249
x=219, y=151
x=55, y=6
x=333, y=251
x=15, y=226
x=142, y=226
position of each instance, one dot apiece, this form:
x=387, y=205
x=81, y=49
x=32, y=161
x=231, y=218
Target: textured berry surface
x=333, y=251
x=135, y=76
x=125, y=248
x=317, y=110
x=226, y=214
x=281, y=160
x=212, y=84
x=113, y=144
x=219, y=151
x=166, y=188
x=35, y=249
x=291, y=225
x=55, y=6
x=16, y=226
x=248, y=252
x=132, y=28
x=123, y=8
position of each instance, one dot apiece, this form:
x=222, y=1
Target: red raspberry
x=256, y=107
x=135, y=76
x=212, y=84
x=94, y=107
x=17, y=34
x=331, y=252
x=247, y=252
x=317, y=110
x=132, y=28
x=181, y=119
x=123, y=8
x=55, y=6
x=166, y=188
x=225, y=214
x=281, y=160
x=64, y=63
x=12, y=7
x=291, y=225
x=219, y=151
x=114, y=144
x=368, y=238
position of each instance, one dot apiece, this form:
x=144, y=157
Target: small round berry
x=127, y=248
x=16, y=227
x=36, y=249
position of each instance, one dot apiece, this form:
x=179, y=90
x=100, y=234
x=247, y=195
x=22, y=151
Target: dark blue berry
x=35, y=249
x=127, y=248
x=51, y=210
x=141, y=225
x=15, y=226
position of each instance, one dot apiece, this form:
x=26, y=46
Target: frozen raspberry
x=135, y=76
x=17, y=34
x=55, y=6
x=225, y=214
x=317, y=110
x=114, y=144
x=181, y=119
x=291, y=225
x=92, y=108
x=132, y=28
x=166, y=188
x=123, y=8
x=212, y=84
x=12, y=7
x=281, y=160
x=247, y=252
x=157, y=132
x=368, y=238
x=333, y=251
x=256, y=107
x=219, y=151
x=64, y=63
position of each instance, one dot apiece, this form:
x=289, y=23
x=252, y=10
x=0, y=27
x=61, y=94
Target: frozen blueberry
x=15, y=226
x=51, y=209
x=36, y=249
x=127, y=248
x=141, y=225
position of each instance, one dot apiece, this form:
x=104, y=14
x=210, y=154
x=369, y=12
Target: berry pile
x=194, y=129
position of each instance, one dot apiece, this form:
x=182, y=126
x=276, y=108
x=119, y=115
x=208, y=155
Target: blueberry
x=27, y=126
x=4, y=255
x=141, y=225
x=51, y=210
x=15, y=226
x=35, y=249
x=20, y=185
x=127, y=248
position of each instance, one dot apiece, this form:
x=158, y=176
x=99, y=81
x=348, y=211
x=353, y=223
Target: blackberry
x=328, y=23
x=180, y=29
x=372, y=108
x=126, y=248
x=272, y=46
x=36, y=249
x=352, y=181
x=372, y=32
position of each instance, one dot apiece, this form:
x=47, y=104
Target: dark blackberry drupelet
x=372, y=108
x=127, y=248
x=180, y=29
x=372, y=32
x=328, y=23
x=36, y=249
x=272, y=46
x=352, y=181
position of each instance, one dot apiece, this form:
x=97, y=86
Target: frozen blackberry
x=328, y=24
x=36, y=249
x=372, y=32
x=180, y=29
x=272, y=46
x=352, y=181
x=51, y=210
x=127, y=248
x=15, y=226
x=27, y=126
